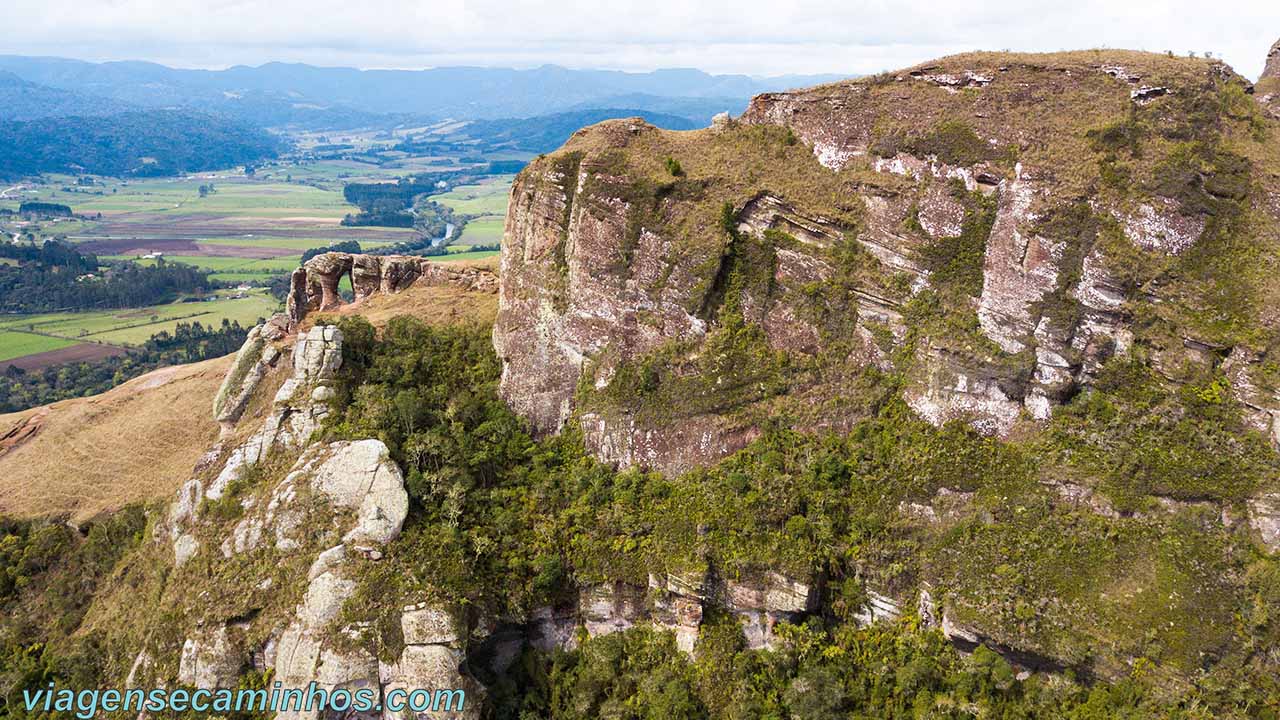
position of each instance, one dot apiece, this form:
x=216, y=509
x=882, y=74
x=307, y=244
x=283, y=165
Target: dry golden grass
x=136, y=442
x=141, y=441
x=436, y=305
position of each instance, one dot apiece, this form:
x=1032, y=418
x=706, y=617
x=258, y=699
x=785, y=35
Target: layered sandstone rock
x=608, y=267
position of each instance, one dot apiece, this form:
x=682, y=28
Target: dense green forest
x=55, y=276
x=189, y=342
x=130, y=144
x=391, y=204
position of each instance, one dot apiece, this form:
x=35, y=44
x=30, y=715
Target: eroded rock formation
x=314, y=286
x=252, y=362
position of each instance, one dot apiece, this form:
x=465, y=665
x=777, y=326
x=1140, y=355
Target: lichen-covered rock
x=433, y=668
x=252, y=361
x=212, y=659
x=362, y=476
x=424, y=624
x=303, y=654
x=1264, y=518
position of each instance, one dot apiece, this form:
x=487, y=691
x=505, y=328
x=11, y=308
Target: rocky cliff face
x=989, y=229
x=261, y=574
x=1272, y=67
x=1268, y=89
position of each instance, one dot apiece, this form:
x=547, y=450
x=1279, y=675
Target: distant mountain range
x=278, y=94
x=23, y=100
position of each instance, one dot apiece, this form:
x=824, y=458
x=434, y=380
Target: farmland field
x=293, y=243
x=242, y=229
x=485, y=198
x=466, y=255
x=135, y=326
x=245, y=217
x=261, y=266
x=481, y=231
x=16, y=344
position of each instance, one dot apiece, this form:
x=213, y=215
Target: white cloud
x=766, y=37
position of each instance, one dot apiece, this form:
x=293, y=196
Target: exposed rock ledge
x=314, y=286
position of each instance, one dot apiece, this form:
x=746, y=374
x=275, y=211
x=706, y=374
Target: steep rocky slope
x=1073, y=254
x=991, y=228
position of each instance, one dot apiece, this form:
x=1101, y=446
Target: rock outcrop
x=613, y=275
x=252, y=362
x=314, y=286
x=339, y=504
x=1268, y=88
x=677, y=603
x=1271, y=69
x=296, y=412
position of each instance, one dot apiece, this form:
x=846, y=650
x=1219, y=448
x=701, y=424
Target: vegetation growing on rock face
x=503, y=524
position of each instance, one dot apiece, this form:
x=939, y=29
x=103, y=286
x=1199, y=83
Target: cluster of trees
x=145, y=143
x=54, y=253
x=49, y=571
x=55, y=276
x=388, y=204
x=189, y=342
x=44, y=209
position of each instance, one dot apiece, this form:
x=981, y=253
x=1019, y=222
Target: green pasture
x=481, y=231
x=135, y=325
x=222, y=264
x=486, y=198
x=18, y=344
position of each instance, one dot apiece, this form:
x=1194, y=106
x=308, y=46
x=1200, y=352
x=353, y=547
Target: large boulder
x=362, y=476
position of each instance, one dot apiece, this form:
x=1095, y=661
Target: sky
x=755, y=37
